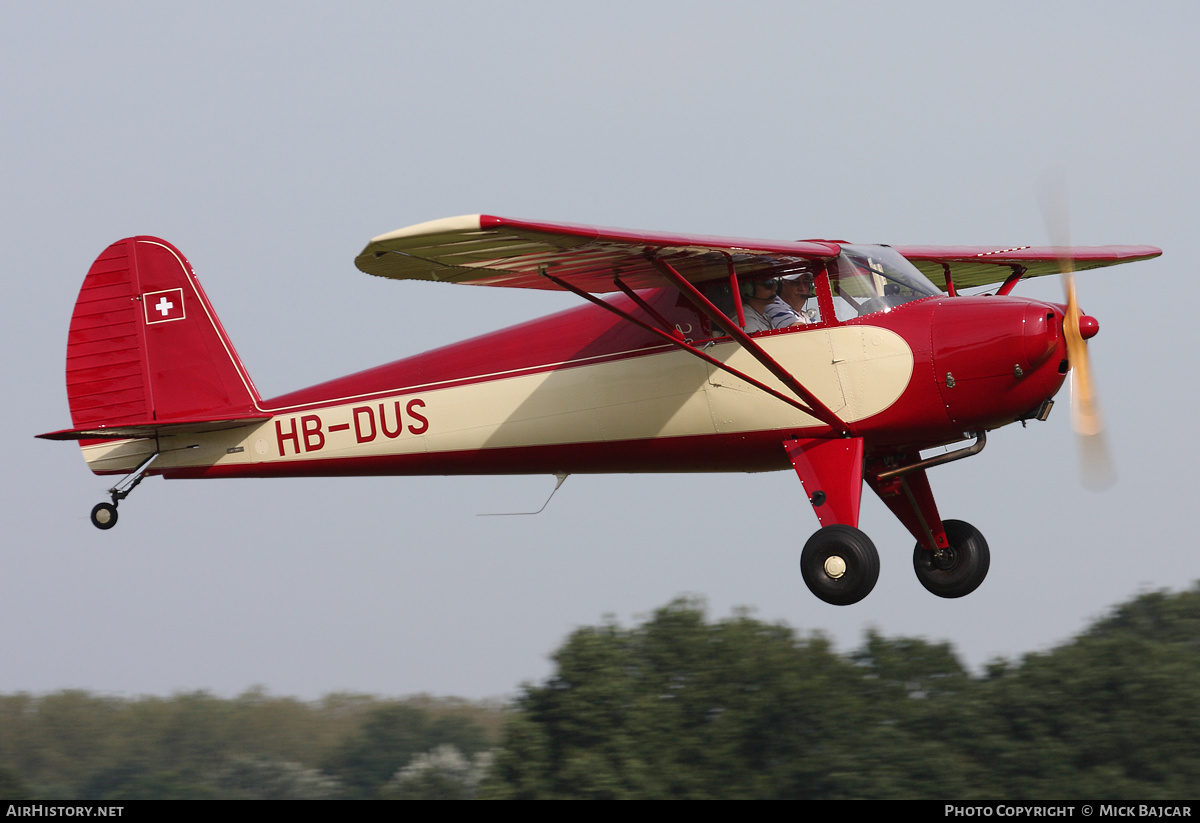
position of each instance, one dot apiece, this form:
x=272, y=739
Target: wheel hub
x=835, y=566
x=945, y=559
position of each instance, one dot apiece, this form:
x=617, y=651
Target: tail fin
x=146, y=350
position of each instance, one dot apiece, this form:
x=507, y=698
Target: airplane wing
x=985, y=265
x=484, y=250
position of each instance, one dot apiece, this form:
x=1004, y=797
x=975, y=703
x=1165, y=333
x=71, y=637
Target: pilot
x=763, y=308
x=795, y=290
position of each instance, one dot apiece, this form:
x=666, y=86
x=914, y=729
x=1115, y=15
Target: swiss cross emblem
x=161, y=306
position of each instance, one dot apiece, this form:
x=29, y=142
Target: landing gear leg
x=839, y=563
x=951, y=558
x=104, y=515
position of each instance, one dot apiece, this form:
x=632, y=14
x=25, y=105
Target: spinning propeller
x=1095, y=461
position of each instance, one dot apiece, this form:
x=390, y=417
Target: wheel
x=104, y=515
x=840, y=565
x=961, y=568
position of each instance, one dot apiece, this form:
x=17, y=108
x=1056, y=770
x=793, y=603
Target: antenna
x=562, y=478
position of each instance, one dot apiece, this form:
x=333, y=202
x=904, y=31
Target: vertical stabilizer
x=145, y=346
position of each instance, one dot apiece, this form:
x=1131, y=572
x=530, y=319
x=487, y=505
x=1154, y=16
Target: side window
x=868, y=279
x=854, y=291
x=721, y=295
x=789, y=301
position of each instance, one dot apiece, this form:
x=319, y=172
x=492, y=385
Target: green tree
x=442, y=774
x=390, y=737
x=12, y=787
x=1112, y=714
x=680, y=707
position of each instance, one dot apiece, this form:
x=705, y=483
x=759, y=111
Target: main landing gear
x=104, y=515
x=840, y=564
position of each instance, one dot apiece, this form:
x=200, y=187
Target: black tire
x=820, y=567
x=961, y=568
x=104, y=515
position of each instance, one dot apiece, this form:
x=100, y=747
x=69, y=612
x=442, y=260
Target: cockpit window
x=867, y=279
x=862, y=280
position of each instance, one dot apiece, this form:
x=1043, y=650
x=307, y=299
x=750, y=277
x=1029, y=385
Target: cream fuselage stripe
x=858, y=371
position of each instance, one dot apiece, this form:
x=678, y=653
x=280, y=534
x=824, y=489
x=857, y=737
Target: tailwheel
x=840, y=564
x=104, y=515
x=958, y=570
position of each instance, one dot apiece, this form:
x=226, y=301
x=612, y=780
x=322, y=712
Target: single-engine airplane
x=884, y=358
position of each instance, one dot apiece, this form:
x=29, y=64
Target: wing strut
x=815, y=407
x=643, y=305
x=679, y=341
x=950, y=289
x=1017, y=273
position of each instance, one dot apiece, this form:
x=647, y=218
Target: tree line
x=679, y=705
x=73, y=744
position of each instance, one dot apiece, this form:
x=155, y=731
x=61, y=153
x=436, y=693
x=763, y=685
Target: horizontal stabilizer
x=153, y=429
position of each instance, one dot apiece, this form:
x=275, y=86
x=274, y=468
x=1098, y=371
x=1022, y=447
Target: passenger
x=763, y=308
x=795, y=290
x=781, y=315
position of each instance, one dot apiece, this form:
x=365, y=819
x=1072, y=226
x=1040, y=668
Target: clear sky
x=270, y=141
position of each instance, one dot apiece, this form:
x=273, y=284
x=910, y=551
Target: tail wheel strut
x=104, y=515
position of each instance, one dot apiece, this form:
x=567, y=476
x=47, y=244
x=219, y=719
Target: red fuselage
x=977, y=363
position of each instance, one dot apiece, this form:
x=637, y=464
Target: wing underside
x=495, y=251
x=484, y=250
x=973, y=266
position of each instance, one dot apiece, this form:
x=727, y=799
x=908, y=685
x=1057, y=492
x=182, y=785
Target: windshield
x=866, y=279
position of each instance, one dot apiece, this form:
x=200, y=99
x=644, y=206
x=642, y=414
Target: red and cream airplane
x=886, y=359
